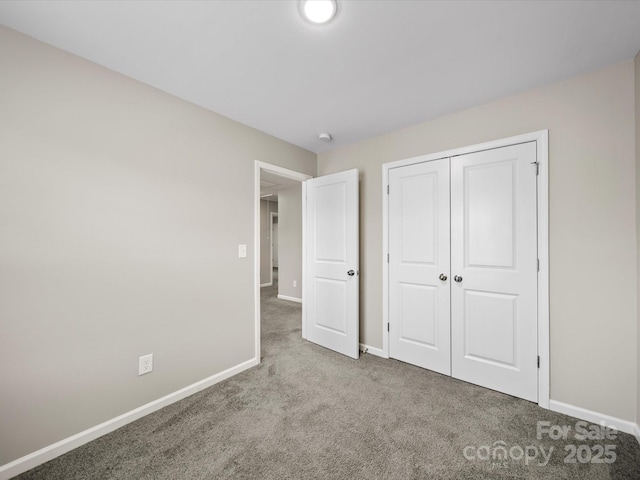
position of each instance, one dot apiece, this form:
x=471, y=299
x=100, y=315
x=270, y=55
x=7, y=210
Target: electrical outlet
x=295, y=283
x=145, y=364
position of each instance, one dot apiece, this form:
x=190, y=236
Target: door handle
x=351, y=273
x=457, y=278
x=443, y=277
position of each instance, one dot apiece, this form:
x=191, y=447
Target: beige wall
x=266, y=208
x=290, y=242
x=592, y=222
x=637, y=104
x=121, y=211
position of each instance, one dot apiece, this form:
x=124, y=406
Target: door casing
x=542, y=158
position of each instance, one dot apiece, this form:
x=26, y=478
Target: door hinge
x=538, y=361
x=387, y=258
x=538, y=264
x=387, y=189
x=388, y=328
x=537, y=164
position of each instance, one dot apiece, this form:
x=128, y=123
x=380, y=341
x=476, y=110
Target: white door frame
x=284, y=172
x=542, y=157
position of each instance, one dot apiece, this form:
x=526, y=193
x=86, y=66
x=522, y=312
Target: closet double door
x=463, y=268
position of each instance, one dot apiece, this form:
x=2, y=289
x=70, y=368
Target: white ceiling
x=379, y=66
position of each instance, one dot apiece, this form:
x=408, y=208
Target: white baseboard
x=290, y=299
x=266, y=284
x=378, y=352
x=594, y=417
x=50, y=452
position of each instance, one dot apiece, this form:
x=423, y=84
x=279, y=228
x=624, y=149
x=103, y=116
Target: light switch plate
x=242, y=251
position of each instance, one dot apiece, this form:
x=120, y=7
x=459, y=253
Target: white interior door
x=331, y=302
x=419, y=258
x=494, y=269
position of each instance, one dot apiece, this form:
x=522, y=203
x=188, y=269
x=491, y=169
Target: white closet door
x=419, y=331
x=330, y=307
x=494, y=269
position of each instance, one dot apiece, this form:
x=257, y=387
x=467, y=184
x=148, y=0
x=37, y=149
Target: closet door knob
x=457, y=278
x=443, y=277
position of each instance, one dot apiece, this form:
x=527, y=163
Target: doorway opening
x=278, y=242
x=268, y=250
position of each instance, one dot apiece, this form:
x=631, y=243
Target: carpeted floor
x=308, y=413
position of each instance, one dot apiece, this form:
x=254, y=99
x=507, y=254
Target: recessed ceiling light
x=318, y=11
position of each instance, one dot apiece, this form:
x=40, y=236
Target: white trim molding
x=595, y=417
x=289, y=299
x=50, y=452
x=378, y=352
x=542, y=158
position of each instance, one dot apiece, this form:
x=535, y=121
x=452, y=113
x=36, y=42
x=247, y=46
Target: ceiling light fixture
x=325, y=137
x=318, y=12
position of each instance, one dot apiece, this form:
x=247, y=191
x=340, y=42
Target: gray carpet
x=307, y=412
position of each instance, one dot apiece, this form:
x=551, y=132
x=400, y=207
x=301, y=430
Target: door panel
x=330, y=217
x=489, y=215
x=331, y=315
x=331, y=303
x=494, y=251
x=490, y=327
x=418, y=254
x=418, y=311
